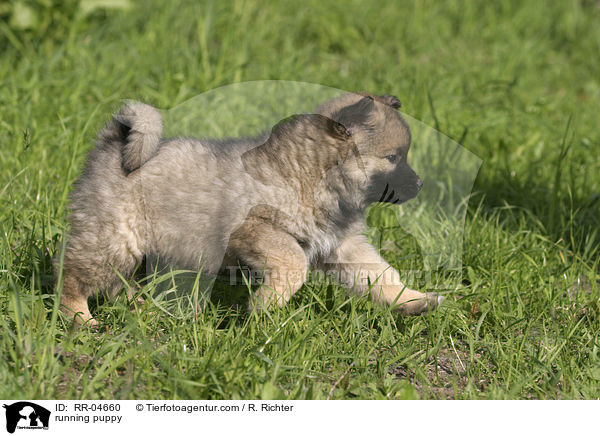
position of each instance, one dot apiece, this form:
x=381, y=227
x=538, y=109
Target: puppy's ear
x=359, y=115
x=390, y=100
x=337, y=130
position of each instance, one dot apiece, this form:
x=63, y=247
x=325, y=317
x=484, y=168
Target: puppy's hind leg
x=88, y=270
x=74, y=301
x=276, y=255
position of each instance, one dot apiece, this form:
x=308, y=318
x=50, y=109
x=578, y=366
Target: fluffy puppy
x=277, y=203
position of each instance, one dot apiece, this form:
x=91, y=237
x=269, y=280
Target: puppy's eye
x=392, y=158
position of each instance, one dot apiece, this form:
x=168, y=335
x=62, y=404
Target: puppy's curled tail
x=137, y=130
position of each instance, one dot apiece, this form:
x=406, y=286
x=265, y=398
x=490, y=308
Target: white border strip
x=158, y=417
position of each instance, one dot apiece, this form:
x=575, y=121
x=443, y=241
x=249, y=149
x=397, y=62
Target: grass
x=514, y=84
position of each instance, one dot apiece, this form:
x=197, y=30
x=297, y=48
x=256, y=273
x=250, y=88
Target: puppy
x=279, y=203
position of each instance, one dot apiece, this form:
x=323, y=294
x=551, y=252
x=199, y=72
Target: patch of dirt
x=446, y=374
x=76, y=365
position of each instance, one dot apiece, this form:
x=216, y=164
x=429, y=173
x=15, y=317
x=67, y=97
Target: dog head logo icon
x=26, y=415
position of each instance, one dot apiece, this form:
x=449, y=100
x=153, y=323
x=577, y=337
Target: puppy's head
x=382, y=139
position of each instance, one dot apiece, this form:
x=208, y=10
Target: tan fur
x=279, y=202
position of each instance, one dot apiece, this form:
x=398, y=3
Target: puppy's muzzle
x=402, y=192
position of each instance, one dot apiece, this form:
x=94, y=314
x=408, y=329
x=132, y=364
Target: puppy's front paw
x=426, y=303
